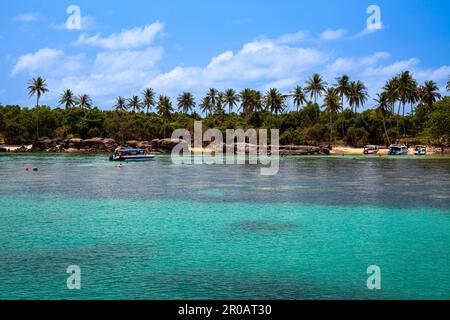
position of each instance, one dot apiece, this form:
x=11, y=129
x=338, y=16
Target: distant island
x=298, y=115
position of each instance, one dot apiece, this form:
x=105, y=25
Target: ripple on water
x=264, y=226
x=215, y=193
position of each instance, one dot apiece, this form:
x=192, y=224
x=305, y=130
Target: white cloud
x=226, y=56
x=32, y=62
x=439, y=75
x=109, y=74
x=331, y=34
x=117, y=61
x=126, y=39
x=285, y=84
x=365, y=32
x=27, y=17
x=342, y=65
x=260, y=64
x=293, y=37
x=392, y=69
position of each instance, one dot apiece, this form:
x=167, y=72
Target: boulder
x=58, y=148
x=110, y=144
x=167, y=145
x=22, y=149
x=73, y=144
x=302, y=150
x=147, y=145
x=43, y=145
x=99, y=145
x=3, y=149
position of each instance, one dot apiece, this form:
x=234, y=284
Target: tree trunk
x=331, y=128
x=385, y=130
x=398, y=115
x=343, y=122
x=404, y=125
x=37, y=118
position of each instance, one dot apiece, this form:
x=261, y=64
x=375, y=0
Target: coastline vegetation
x=302, y=120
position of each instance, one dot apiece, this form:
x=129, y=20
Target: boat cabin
x=371, y=149
x=131, y=155
x=129, y=152
x=420, y=150
x=397, y=149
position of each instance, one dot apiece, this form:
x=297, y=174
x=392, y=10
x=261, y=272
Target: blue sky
x=173, y=46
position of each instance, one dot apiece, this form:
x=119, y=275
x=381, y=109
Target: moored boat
x=131, y=155
x=420, y=151
x=371, y=149
x=398, y=149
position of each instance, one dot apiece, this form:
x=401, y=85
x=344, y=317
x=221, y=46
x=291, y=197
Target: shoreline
x=165, y=146
x=336, y=151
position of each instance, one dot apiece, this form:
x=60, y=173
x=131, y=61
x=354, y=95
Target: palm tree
x=135, y=103
x=186, y=102
x=332, y=106
x=37, y=87
x=391, y=90
x=164, y=107
x=299, y=97
x=250, y=101
x=220, y=100
x=212, y=95
x=343, y=87
x=407, y=92
x=429, y=93
x=230, y=99
x=149, y=99
x=67, y=99
x=383, y=107
x=275, y=101
x=84, y=102
x=206, y=105
x=121, y=104
x=257, y=101
x=357, y=95
x=315, y=86
x=343, y=90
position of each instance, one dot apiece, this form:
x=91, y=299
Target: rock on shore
x=167, y=145
x=95, y=145
x=75, y=145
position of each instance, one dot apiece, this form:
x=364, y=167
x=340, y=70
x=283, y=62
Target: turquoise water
x=161, y=231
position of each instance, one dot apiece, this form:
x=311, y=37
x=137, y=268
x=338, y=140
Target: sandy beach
x=343, y=150
x=337, y=150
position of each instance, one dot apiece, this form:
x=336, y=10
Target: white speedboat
x=131, y=155
x=371, y=149
x=420, y=151
x=398, y=150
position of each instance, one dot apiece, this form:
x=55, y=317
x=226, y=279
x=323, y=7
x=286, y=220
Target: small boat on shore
x=398, y=150
x=420, y=151
x=371, y=149
x=131, y=155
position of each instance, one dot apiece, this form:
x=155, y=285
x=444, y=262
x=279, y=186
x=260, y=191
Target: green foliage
x=438, y=125
x=309, y=125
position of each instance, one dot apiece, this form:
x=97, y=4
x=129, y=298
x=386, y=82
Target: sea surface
x=157, y=230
